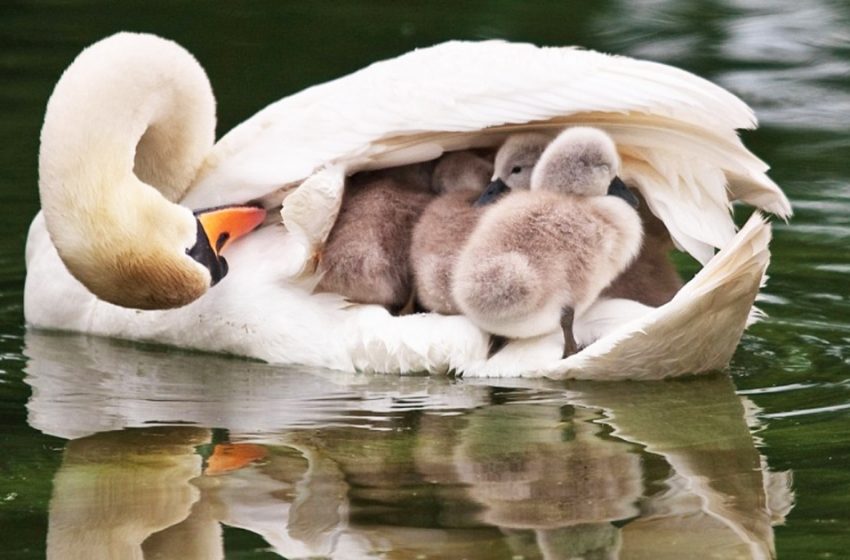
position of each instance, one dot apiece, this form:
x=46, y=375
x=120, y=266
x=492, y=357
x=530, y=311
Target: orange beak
x=225, y=224
x=228, y=457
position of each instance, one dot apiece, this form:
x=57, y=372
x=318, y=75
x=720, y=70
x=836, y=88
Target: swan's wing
x=698, y=330
x=678, y=129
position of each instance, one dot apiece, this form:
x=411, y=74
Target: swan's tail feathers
x=747, y=255
x=696, y=331
x=760, y=191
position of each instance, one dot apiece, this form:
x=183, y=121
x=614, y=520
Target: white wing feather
x=676, y=129
x=715, y=306
x=697, y=331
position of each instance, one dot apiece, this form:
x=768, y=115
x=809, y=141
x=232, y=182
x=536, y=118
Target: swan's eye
x=516, y=170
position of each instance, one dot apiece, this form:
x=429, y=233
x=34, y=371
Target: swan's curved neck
x=125, y=132
x=135, y=103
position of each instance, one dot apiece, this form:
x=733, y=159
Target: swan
x=130, y=245
x=676, y=134
x=539, y=258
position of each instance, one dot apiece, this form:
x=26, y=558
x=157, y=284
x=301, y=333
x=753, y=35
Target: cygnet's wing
x=676, y=129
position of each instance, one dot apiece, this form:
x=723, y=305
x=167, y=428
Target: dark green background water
x=443, y=468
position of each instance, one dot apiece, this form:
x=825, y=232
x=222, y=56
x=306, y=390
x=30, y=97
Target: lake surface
x=119, y=450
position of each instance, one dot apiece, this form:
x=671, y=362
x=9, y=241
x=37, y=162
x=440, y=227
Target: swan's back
x=677, y=131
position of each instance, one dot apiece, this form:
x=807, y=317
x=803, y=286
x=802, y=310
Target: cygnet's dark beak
x=492, y=193
x=618, y=188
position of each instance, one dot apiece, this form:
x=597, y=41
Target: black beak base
x=492, y=193
x=619, y=189
x=203, y=252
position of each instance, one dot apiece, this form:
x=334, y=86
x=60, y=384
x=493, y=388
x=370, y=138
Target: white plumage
x=675, y=131
x=678, y=130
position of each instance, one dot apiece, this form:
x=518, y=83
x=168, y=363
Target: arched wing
x=676, y=131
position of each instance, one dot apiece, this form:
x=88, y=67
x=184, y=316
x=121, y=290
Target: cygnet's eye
x=516, y=169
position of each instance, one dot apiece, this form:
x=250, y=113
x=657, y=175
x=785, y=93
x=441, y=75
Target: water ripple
x=779, y=389
x=808, y=411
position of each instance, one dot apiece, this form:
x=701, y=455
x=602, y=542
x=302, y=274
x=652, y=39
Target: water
x=125, y=447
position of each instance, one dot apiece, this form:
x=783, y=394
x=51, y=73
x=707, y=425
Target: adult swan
x=127, y=148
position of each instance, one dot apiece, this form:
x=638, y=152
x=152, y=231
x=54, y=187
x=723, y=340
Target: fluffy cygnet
x=538, y=258
x=445, y=225
x=367, y=255
x=513, y=165
x=651, y=279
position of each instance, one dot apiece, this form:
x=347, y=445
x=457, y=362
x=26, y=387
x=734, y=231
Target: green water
x=104, y=443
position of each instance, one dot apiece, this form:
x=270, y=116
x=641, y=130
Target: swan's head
x=216, y=229
x=461, y=171
x=156, y=257
x=125, y=133
x=514, y=163
x=581, y=161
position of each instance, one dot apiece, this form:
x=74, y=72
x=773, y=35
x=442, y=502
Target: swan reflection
x=168, y=449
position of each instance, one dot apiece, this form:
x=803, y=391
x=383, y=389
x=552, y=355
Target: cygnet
x=439, y=235
x=538, y=258
x=367, y=255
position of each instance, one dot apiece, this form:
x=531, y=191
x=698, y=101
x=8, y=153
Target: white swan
x=101, y=150
x=675, y=132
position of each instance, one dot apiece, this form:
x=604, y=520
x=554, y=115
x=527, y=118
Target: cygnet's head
x=517, y=157
x=514, y=163
x=461, y=171
x=581, y=161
